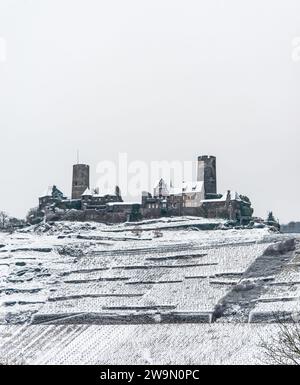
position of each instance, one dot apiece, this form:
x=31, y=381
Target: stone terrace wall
x=89, y=216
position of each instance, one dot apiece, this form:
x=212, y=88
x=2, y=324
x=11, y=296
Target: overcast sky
x=159, y=79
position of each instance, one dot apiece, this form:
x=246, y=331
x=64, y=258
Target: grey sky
x=159, y=79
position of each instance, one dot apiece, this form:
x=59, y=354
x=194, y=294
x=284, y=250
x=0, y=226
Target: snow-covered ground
x=209, y=344
x=92, y=287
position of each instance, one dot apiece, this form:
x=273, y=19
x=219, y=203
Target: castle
x=194, y=198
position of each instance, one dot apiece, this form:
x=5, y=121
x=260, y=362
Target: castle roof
x=185, y=188
x=95, y=193
x=233, y=196
x=161, y=188
x=188, y=188
x=122, y=203
x=52, y=192
x=175, y=190
x=87, y=193
x=47, y=193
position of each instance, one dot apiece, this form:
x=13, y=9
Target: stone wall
x=89, y=216
x=223, y=209
x=148, y=213
x=193, y=211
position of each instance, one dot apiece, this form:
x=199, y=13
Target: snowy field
x=92, y=293
x=210, y=344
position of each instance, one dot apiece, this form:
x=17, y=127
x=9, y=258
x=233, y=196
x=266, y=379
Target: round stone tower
x=81, y=180
x=207, y=173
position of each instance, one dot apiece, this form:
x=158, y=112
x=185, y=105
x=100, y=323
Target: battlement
x=206, y=157
x=81, y=165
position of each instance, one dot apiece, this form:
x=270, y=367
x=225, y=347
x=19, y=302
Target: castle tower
x=207, y=173
x=81, y=180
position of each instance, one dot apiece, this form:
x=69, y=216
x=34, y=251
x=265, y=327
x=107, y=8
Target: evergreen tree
x=271, y=221
x=118, y=194
x=246, y=209
x=271, y=217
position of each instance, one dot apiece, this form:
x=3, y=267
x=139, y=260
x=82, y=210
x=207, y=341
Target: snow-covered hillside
x=78, y=279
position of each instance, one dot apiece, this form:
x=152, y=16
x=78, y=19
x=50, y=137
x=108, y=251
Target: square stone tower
x=207, y=173
x=81, y=180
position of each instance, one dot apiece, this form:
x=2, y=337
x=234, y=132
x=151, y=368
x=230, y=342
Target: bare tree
x=284, y=348
x=3, y=219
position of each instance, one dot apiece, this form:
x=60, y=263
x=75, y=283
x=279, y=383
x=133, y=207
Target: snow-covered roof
x=87, y=193
x=122, y=203
x=47, y=192
x=185, y=188
x=176, y=191
x=161, y=188
x=51, y=191
x=96, y=194
x=188, y=188
x=103, y=195
x=234, y=196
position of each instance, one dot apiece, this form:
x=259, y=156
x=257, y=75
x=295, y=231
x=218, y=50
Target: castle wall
x=223, y=209
x=227, y=210
x=89, y=216
x=193, y=211
x=106, y=217
x=150, y=213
